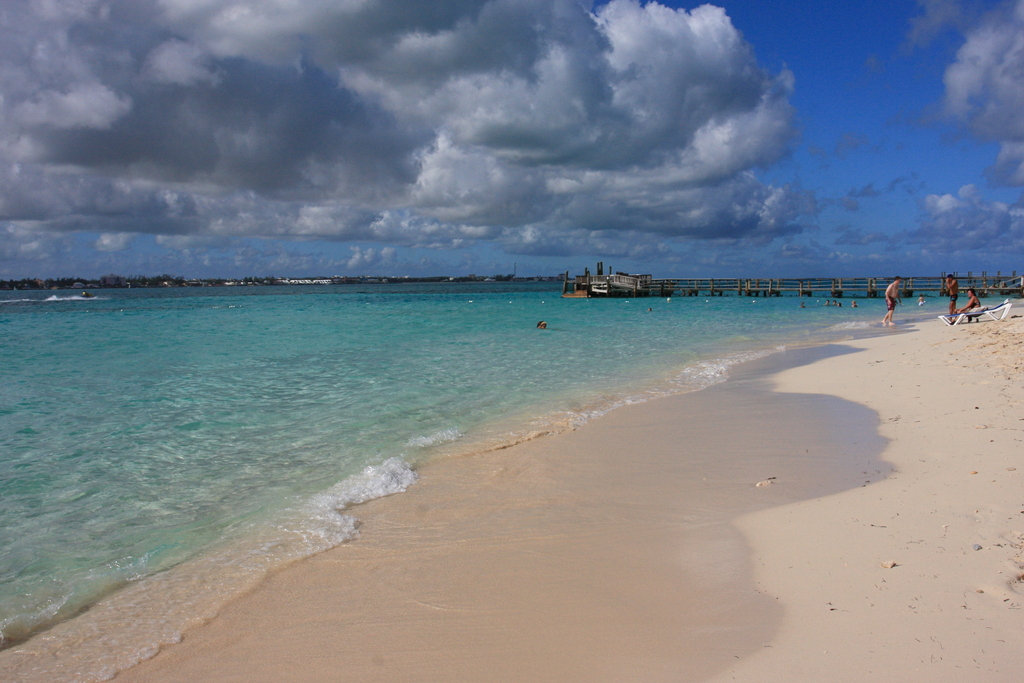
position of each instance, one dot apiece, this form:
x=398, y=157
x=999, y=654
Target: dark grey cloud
x=336, y=32
x=851, y=201
x=530, y=124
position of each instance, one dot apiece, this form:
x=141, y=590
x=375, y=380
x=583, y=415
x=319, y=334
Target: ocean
x=161, y=450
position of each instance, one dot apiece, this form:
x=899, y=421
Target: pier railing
x=622, y=284
x=617, y=284
x=985, y=283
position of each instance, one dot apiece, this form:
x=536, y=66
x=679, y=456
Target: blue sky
x=331, y=137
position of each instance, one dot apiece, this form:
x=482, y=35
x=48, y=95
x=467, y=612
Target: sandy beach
x=603, y=554
x=917, y=577
x=834, y=513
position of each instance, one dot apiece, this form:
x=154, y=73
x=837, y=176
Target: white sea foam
x=163, y=605
x=852, y=325
x=394, y=475
x=443, y=436
x=694, y=377
x=51, y=298
x=708, y=372
x=324, y=523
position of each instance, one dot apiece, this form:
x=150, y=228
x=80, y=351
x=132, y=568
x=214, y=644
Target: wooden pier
x=612, y=284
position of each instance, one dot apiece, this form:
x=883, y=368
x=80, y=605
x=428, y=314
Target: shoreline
x=300, y=476
x=554, y=559
x=714, y=551
x=173, y=599
x=919, y=576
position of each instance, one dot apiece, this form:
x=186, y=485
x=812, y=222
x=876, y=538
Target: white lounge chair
x=996, y=313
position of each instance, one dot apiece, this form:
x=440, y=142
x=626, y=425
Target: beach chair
x=996, y=313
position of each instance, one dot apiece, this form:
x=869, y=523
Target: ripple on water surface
x=178, y=443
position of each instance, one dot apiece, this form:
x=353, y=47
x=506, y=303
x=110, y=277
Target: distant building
x=113, y=281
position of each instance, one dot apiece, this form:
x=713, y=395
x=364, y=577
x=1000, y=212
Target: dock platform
x=600, y=284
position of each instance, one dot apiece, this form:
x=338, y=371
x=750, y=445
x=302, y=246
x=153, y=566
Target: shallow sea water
x=163, y=440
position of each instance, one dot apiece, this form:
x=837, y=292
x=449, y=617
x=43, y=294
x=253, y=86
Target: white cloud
x=532, y=124
x=85, y=105
x=187, y=242
x=24, y=248
x=178, y=63
x=118, y=241
x=985, y=88
x=967, y=222
x=632, y=86
x=938, y=16
x=370, y=257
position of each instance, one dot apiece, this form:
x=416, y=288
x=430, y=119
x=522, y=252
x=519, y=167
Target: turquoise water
x=143, y=430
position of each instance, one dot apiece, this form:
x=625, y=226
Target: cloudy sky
x=403, y=137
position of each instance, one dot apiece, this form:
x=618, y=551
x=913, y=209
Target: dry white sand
x=917, y=577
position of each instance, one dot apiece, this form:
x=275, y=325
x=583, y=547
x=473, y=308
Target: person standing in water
x=892, y=295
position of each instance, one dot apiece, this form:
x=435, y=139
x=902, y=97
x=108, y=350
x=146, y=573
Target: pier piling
x=609, y=283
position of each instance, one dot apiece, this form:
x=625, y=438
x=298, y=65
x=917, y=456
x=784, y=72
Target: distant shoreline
x=30, y=284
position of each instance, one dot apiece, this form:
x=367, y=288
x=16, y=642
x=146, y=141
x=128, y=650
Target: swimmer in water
x=542, y=325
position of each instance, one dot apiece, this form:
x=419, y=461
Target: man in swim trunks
x=953, y=288
x=892, y=295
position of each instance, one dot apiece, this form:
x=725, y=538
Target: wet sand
x=604, y=554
